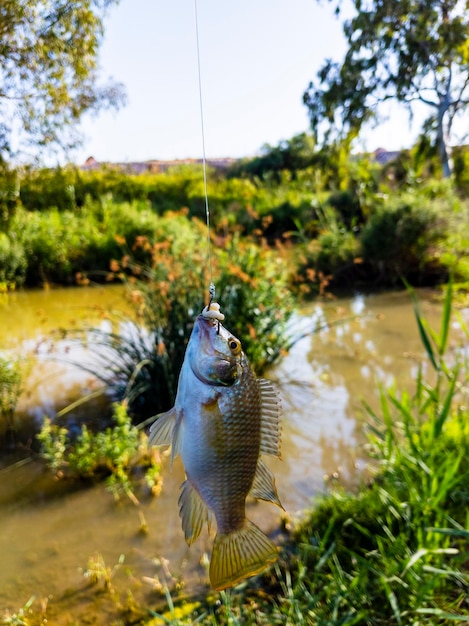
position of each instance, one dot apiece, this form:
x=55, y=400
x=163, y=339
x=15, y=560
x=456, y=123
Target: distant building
x=154, y=166
x=383, y=156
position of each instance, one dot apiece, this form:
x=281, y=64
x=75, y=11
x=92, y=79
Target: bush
x=10, y=390
x=9, y=195
x=142, y=362
x=113, y=453
x=400, y=238
x=461, y=169
x=13, y=263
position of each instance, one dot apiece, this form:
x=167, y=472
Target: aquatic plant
x=113, y=453
x=10, y=390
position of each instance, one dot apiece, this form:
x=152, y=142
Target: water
x=51, y=529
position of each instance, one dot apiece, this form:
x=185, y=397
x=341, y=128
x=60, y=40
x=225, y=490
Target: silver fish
x=223, y=419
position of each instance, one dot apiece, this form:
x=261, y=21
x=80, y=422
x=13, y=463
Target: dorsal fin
x=263, y=486
x=271, y=411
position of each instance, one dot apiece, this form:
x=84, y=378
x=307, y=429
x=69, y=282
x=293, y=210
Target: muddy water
x=49, y=531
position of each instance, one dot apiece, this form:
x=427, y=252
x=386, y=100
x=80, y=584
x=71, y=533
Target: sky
x=257, y=57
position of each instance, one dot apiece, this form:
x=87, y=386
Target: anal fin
x=263, y=486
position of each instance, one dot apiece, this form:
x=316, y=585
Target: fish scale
x=223, y=419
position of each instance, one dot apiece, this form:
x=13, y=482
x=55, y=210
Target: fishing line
x=211, y=288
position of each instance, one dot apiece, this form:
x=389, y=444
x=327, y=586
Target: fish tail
x=240, y=554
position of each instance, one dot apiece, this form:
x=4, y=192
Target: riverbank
x=323, y=381
x=364, y=229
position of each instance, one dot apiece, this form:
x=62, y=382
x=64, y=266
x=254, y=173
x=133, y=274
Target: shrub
x=9, y=195
x=399, y=239
x=13, y=263
x=141, y=362
x=461, y=169
x=113, y=452
x=48, y=188
x=10, y=390
x=348, y=208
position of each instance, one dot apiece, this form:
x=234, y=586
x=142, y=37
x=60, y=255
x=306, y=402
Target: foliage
x=349, y=218
x=113, y=452
x=9, y=194
x=420, y=235
x=141, y=362
x=13, y=263
x=293, y=155
x=49, y=70
x=461, y=169
x=400, y=237
x=60, y=244
x=407, y=51
x=10, y=389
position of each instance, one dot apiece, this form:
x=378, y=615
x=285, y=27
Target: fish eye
x=234, y=345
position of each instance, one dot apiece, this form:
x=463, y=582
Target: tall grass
x=397, y=553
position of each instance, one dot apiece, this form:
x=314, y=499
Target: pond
x=52, y=532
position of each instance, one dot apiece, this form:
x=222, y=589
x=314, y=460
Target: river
x=51, y=531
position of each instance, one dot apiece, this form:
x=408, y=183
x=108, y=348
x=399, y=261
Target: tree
x=410, y=51
x=292, y=154
x=48, y=71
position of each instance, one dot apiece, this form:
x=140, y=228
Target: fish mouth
x=211, y=365
x=215, y=370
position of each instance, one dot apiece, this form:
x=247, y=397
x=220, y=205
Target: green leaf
x=444, y=614
x=445, y=320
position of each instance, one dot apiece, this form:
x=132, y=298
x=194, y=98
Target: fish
x=223, y=420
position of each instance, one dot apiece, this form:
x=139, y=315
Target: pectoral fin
x=161, y=431
x=263, y=486
x=192, y=511
x=271, y=412
x=166, y=430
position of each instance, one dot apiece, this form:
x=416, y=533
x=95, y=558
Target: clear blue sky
x=257, y=58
